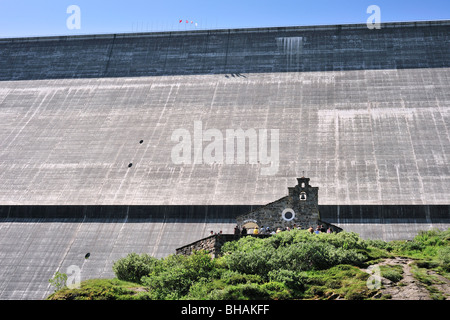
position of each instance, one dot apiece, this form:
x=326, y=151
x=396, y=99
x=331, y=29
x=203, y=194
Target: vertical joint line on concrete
x=204, y=67
x=167, y=53
x=226, y=52
x=110, y=54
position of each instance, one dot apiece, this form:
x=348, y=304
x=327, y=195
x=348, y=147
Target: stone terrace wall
x=213, y=243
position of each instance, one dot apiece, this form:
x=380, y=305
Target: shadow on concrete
x=387, y=214
x=114, y=213
x=199, y=213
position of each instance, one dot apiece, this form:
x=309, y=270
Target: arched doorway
x=250, y=225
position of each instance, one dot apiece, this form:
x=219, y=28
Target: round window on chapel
x=288, y=214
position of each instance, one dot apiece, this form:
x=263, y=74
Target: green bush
x=201, y=289
x=355, y=295
x=244, y=244
x=175, y=275
x=253, y=262
x=134, y=266
x=393, y=273
x=276, y=290
x=425, y=246
x=292, y=279
x=298, y=256
x=234, y=277
x=345, y=240
x=59, y=280
x=431, y=237
x=380, y=244
x=242, y=291
x=99, y=289
x=168, y=284
x=444, y=258
x=408, y=246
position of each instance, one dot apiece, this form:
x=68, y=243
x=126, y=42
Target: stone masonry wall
x=299, y=208
x=212, y=244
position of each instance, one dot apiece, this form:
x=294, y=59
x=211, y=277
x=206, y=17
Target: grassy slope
x=290, y=265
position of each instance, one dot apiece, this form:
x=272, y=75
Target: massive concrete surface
x=363, y=137
x=367, y=120
x=364, y=113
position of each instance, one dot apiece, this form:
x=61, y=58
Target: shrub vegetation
x=290, y=265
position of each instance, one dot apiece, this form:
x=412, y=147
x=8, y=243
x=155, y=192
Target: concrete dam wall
x=87, y=149
x=408, y=45
x=364, y=113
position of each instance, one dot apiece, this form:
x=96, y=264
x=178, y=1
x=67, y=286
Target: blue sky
x=20, y=18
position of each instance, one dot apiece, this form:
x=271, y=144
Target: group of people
x=268, y=230
x=320, y=229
